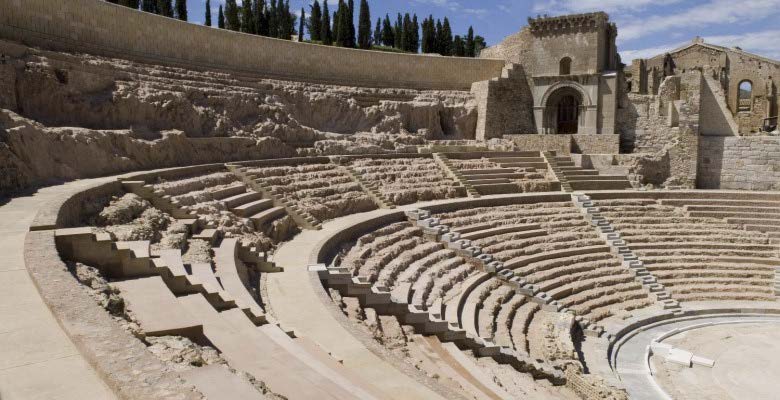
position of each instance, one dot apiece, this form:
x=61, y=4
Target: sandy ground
x=747, y=363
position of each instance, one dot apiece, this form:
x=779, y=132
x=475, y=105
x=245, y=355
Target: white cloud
x=579, y=6
x=712, y=13
x=628, y=55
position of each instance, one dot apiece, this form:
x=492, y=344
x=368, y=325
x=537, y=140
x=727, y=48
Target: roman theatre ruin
x=193, y=219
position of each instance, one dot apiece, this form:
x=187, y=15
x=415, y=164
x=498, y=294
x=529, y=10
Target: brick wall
x=750, y=163
x=106, y=29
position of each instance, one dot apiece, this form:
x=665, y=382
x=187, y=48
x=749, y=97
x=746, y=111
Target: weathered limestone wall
x=747, y=163
x=505, y=105
x=567, y=144
x=106, y=29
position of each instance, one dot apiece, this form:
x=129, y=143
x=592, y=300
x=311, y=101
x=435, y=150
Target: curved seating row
x=695, y=254
x=553, y=247
x=407, y=180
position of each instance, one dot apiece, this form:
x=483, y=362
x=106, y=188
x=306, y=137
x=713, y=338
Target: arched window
x=745, y=95
x=565, y=66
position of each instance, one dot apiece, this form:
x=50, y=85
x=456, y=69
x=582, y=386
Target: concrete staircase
x=301, y=217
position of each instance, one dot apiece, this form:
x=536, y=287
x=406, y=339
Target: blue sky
x=646, y=27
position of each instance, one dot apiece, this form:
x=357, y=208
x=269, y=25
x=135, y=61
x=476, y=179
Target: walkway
x=294, y=300
x=37, y=360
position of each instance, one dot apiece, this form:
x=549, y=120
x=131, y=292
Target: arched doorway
x=563, y=111
x=568, y=115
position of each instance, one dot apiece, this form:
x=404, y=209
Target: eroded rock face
x=130, y=116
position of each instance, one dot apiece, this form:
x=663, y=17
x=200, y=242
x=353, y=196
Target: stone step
x=601, y=185
x=252, y=208
x=243, y=198
x=470, y=172
x=528, y=165
x=491, y=181
x=267, y=216
x=498, y=188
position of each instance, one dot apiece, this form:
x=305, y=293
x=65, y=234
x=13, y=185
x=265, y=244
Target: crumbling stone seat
x=408, y=180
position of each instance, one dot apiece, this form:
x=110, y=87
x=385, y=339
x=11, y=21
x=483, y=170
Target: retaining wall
x=106, y=29
x=743, y=163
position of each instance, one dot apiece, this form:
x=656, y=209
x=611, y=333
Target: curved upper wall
x=106, y=29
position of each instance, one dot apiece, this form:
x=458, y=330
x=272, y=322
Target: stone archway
x=563, y=111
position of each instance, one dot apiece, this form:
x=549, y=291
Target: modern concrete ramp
x=294, y=300
x=37, y=360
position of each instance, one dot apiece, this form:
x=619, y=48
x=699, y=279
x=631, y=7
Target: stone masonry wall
x=747, y=163
x=102, y=28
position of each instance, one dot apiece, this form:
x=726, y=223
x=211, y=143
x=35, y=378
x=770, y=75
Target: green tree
x=415, y=37
x=165, y=8
x=351, y=41
x=439, y=36
x=302, y=25
x=261, y=20
x=326, y=32
x=208, y=13
x=479, y=45
x=342, y=24
x=431, y=42
x=446, y=39
x=377, y=39
x=221, y=18
x=364, y=26
x=113, y=1
x=458, y=47
x=406, y=35
x=128, y=3
x=388, y=34
x=181, y=9
x=399, y=32
x=232, y=19
x=247, y=18
x=471, y=49
x=273, y=20
x=315, y=22
x=149, y=6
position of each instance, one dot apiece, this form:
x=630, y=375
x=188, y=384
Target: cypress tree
x=364, y=26
x=415, y=34
x=342, y=24
x=208, y=13
x=113, y=1
x=165, y=8
x=439, y=47
x=458, y=47
x=247, y=20
x=128, y=3
x=149, y=6
x=377, y=39
x=471, y=50
x=388, y=35
x=425, y=36
x=351, y=41
x=283, y=19
x=446, y=39
x=406, y=36
x=273, y=20
x=261, y=18
x=181, y=9
x=315, y=22
x=399, y=32
x=479, y=45
x=232, y=20
x=221, y=18
x=302, y=25
x=326, y=33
